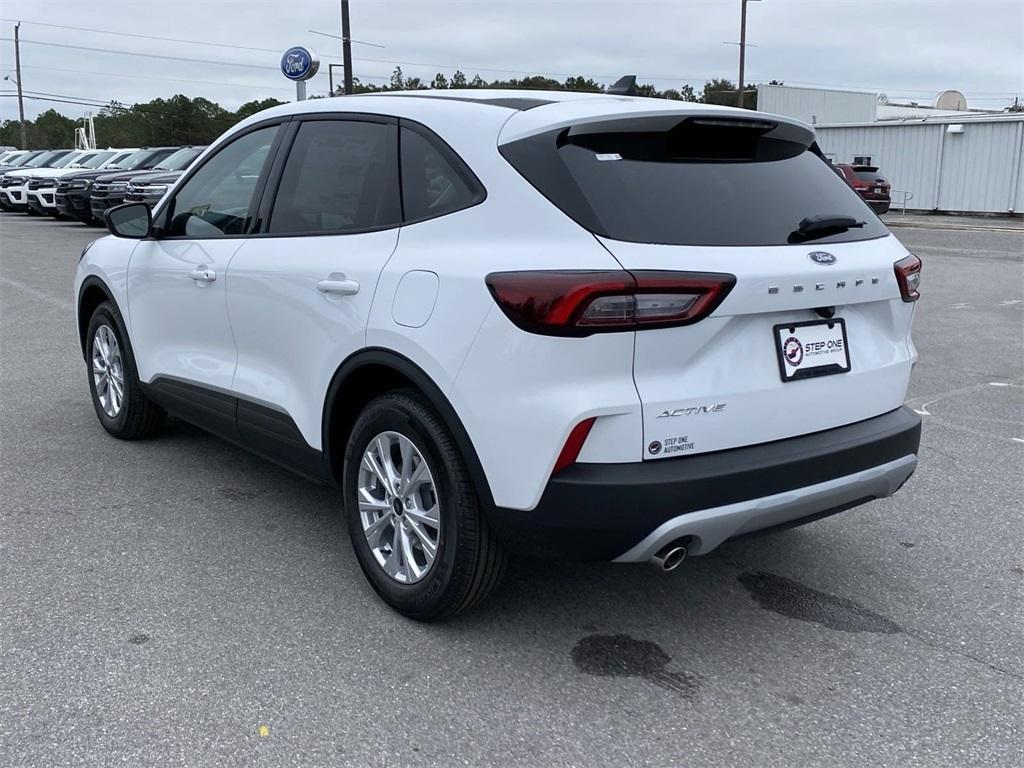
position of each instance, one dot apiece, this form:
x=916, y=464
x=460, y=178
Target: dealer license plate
x=814, y=348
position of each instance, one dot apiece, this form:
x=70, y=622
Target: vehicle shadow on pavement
x=740, y=583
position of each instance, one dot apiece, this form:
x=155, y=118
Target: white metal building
x=965, y=164
x=818, y=105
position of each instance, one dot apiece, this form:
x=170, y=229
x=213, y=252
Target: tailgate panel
x=716, y=384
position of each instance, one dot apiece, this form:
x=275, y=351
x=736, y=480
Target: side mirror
x=132, y=220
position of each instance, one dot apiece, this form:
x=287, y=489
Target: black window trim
x=282, y=123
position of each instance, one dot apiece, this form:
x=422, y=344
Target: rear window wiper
x=823, y=225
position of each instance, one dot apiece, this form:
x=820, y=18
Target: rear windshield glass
x=704, y=185
x=868, y=175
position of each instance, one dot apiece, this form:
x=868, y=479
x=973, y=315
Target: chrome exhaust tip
x=669, y=557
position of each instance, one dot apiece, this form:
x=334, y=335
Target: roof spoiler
x=624, y=86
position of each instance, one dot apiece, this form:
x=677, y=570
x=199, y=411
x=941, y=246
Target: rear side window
x=434, y=180
x=341, y=176
x=699, y=182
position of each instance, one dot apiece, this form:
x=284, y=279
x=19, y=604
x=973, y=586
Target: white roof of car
x=515, y=113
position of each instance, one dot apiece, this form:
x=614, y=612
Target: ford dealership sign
x=299, y=63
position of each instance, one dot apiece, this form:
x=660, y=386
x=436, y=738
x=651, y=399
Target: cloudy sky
x=229, y=51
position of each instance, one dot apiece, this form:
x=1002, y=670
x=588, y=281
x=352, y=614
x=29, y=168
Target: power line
x=146, y=37
x=672, y=78
x=168, y=79
x=97, y=103
x=148, y=55
x=682, y=78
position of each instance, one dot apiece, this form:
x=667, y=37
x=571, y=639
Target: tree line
x=182, y=120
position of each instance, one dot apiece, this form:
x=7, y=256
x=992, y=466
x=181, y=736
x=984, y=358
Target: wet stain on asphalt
x=795, y=601
x=624, y=656
x=138, y=639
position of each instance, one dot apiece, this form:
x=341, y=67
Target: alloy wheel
x=108, y=371
x=398, y=507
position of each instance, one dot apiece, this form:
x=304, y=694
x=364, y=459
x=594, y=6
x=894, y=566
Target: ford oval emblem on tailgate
x=822, y=257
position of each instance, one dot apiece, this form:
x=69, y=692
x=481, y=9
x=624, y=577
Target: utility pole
x=346, y=47
x=17, y=74
x=743, y=48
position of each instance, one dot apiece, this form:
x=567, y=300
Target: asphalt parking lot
x=179, y=602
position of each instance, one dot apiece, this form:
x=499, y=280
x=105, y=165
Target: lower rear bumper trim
x=708, y=528
x=606, y=511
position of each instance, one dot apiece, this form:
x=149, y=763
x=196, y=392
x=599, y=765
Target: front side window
x=216, y=200
x=434, y=180
x=341, y=176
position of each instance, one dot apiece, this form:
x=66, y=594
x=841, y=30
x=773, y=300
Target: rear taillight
x=908, y=275
x=582, y=303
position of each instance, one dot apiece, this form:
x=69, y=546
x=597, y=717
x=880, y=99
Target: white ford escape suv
x=585, y=326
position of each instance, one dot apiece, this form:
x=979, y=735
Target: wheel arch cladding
x=372, y=372
x=93, y=293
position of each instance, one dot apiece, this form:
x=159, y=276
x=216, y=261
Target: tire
x=469, y=562
x=137, y=416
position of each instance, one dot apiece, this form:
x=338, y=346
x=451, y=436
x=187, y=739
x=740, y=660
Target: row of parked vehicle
x=83, y=183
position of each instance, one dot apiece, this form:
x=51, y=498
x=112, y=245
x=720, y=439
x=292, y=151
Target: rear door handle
x=338, y=284
x=203, y=274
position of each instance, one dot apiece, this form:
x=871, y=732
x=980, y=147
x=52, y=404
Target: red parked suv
x=868, y=183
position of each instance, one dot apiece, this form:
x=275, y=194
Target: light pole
x=17, y=70
x=743, y=46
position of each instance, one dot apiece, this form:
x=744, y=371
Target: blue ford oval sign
x=822, y=257
x=299, y=63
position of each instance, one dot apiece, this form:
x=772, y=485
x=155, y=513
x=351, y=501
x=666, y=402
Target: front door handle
x=338, y=284
x=203, y=274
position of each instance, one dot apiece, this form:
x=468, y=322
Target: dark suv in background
x=74, y=190
x=149, y=187
x=108, y=189
x=868, y=183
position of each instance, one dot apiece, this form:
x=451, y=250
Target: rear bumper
x=626, y=512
